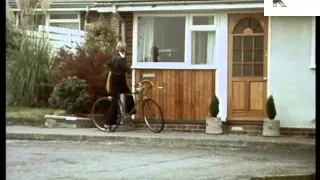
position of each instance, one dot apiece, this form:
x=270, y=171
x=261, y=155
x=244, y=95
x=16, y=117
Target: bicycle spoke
x=153, y=116
x=99, y=112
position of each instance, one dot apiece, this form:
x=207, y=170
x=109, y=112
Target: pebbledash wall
x=291, y=70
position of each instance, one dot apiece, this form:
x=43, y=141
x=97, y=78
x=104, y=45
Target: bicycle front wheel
x=99, y=111
x=152, y=115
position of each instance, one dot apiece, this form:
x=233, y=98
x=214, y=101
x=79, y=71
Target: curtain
x=146, y=41
x=210, y=47
x=211, y=43
x=203, y=45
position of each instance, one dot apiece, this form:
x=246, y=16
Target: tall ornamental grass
x=29, y=71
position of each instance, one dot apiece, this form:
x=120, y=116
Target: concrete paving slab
x=172, y=139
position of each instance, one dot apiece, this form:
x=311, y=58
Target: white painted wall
x=291, y=81
x=222, y=64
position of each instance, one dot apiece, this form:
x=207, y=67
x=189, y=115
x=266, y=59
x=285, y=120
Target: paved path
x=171, y=135
x=166, y=139
x=49, y=160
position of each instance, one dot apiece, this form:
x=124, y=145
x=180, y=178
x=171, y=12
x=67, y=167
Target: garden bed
x=25, y=116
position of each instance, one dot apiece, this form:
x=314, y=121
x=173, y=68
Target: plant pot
x=213, y=125
x=271, y=128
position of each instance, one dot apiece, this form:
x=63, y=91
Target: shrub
x=90, y=60
x=13, y=39
x=29, y=73
x=271, y=108
x=214, y=106
x=88, y=66
x=70, y=95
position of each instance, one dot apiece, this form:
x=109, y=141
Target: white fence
x=60, y=37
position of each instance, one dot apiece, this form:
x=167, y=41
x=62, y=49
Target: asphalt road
x=33, y=160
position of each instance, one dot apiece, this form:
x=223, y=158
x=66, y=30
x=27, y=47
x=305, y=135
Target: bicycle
x=100, y=107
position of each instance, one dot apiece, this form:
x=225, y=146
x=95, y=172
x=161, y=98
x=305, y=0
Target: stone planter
x=53, y=121
x=271, y=128
x=213, y=125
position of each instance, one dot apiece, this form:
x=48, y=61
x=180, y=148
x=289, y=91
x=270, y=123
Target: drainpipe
x=123, y=24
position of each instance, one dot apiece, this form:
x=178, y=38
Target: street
x=46, y=160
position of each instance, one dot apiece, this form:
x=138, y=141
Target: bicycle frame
x=142, y=88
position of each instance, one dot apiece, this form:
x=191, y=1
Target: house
x=210, y=46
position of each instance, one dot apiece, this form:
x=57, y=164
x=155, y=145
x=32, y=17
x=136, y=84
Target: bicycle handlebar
x=140, y=85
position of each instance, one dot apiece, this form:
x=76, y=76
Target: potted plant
x=213, y=123
x=271, y=127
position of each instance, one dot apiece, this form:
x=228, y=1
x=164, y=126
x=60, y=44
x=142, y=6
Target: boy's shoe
x=108, y=128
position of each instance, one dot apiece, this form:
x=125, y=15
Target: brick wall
x=253, y=129
x=128, y=18
x=197, y=128
x=250, y=129
x=115, y=25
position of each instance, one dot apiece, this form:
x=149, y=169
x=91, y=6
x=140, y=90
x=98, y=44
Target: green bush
x=214, y=106
x=271, y=108
x=29, y=69
x=71, y=94
x=90, y=60
x=13, y=39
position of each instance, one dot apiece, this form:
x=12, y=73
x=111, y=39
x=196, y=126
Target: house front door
x=247, y=66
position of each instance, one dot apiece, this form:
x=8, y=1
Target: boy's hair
x=121, y=46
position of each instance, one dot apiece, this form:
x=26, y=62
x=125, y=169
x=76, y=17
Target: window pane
x=258, y=56
x=237, y=42
x=258, y=42
x=247, y=70
x=66, y=25
x=258, y=70
x=247, y=56
x=161, y=39
x=203, y=20
x=237, y=56
x=202, y=47
x=248, y=42
x=236, y=70
x=63, y=16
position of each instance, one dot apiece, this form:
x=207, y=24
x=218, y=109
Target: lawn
x=29, y=116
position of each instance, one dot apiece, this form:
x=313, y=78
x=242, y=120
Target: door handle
x=264, y=78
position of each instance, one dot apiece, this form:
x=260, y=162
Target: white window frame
x=313, y=43
x=49, y=20
x=188, y=43
x=203, y=28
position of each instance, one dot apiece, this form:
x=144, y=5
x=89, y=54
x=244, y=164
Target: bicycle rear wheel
x=152, y=115
x=98, y=113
